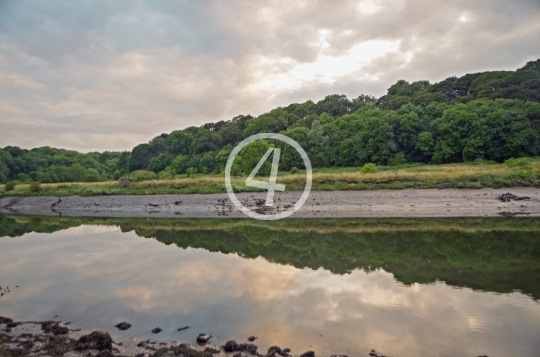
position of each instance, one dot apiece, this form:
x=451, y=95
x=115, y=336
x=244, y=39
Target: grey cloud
x=108, y=75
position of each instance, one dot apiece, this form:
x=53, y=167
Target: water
x=404, y=288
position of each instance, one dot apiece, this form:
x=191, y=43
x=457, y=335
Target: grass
x=466, y=175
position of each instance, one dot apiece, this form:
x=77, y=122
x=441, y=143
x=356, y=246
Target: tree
x=179, y=142
x=140, y=157
x=205, y=140
x=160, y=162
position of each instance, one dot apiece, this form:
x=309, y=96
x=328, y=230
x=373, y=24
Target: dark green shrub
x=294, y=170
x=398, y=159
x=9, y=186
x=35, y=186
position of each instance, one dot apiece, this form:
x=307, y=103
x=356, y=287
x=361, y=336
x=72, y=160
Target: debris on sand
x=507, y=197
x=252, y=338
x=156, y=330
x=123, y=326
x=203, y=338
x=183, y=328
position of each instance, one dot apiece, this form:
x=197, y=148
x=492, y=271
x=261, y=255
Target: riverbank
x=320, y=204
x=56, y=339
x=524, y=172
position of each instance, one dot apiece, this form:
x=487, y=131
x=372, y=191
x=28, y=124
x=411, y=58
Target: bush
x=369, y=168
x=294, y=170
x=398, y=159
x=116, y=175
x=165, y=175
x=142, y=175
x=191, y=171
x=516, y=162
x=9, y=186
x=35, y=186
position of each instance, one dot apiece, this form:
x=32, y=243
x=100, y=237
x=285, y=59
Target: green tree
x=179, y=142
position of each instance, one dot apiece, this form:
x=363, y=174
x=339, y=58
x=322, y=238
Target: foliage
x=142, y=175
x=35, y=187
x=9, y=186
x=294, y=170
x=369, y=168
x=516, y=162
x=191, y=171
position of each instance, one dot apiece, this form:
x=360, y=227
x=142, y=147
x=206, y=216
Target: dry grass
x=472, y=175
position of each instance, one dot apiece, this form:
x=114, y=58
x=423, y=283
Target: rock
x=123, y=326
x=308, y=354
x=5, y=320
x=54, y=328
x=156, y=330
x=248, y=347
x=237, y=355
x=58, y=346
x=231, y=346
x=273, y=350
x=507, y=197
x=203, y=338
x=211, y=350
x=286, y=350
x=252, y=338
x=105, y=353
x=97, y=340
x=123, y=182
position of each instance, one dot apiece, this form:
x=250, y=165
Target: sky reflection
x=98, y=276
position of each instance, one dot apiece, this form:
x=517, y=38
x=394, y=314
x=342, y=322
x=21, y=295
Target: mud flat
x=523, y=201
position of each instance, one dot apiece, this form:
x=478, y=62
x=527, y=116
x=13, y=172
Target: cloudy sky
x=107, y=75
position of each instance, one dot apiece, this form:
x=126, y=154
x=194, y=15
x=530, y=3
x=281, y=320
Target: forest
x=492, y=116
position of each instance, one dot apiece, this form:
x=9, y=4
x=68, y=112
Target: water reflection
x=97, y=276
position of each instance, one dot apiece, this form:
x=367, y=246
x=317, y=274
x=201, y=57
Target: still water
x=404, y=288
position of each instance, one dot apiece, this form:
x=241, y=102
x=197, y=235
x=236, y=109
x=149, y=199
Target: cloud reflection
x=98, y=276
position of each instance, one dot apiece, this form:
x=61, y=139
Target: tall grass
x=466, y=175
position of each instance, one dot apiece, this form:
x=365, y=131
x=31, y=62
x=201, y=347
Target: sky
x=108, y=75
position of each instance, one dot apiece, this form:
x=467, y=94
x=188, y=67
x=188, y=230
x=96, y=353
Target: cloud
x=109, y=75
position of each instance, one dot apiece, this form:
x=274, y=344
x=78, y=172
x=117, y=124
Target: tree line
x=489, y=115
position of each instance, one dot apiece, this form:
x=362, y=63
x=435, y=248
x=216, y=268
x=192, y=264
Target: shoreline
x=435, y=203
x=56, y=339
